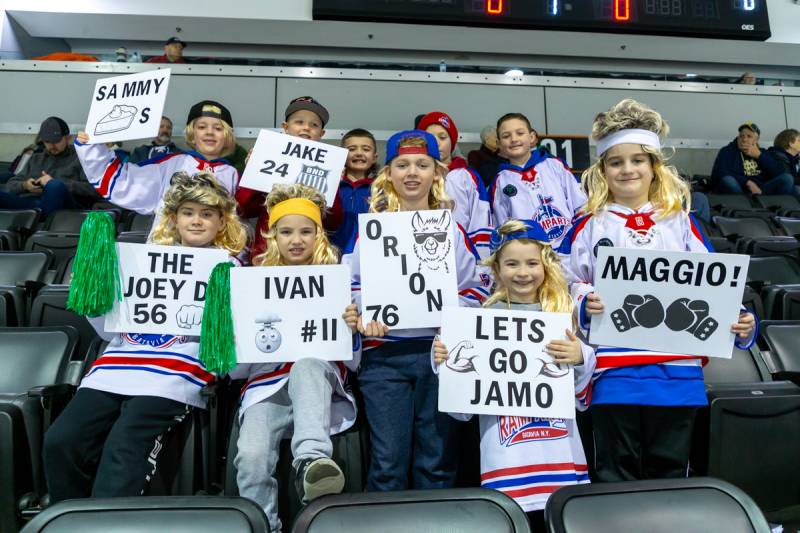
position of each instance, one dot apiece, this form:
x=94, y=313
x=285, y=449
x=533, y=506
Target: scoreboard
x=721, y=19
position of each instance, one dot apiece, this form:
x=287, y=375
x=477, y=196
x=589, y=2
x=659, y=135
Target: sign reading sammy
x=163, y=288
x=283, y=314
x=668, y=301
x=281, y=158
x=497, y=364
x=127, y=107
x=408, y=269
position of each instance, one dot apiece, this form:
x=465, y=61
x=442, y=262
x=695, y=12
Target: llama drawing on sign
x=432, y=240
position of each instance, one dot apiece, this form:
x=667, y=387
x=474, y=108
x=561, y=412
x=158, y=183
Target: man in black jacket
x=786, y=151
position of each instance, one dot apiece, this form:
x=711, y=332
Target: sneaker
x=318, y=477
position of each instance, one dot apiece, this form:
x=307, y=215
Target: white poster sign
x=497, y=364
x=163, y=288
x=670, y=302
x=283, y=314
x=127, y=107
x=408, y=270
x=281, y=158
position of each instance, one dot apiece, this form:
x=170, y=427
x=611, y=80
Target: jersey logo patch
x=552, y=221
x=605, y=241
x=529, y=178
x=152, y=340
x=641, y=228
x=510, y=190
x=518, y=429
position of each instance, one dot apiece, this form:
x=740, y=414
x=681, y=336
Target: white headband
x=645, y=137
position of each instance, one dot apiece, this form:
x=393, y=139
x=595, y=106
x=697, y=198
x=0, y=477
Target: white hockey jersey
x=471, y=206
x=543, y=190
x=529, y=458
x=141, y=187
x=473, y=285
x=623, y=375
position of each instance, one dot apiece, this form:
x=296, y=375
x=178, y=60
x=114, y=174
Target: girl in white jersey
x=523, y=464
x=306, y=401
x=643, y=403
x=104, y=443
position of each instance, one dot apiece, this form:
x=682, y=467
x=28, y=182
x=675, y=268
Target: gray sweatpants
x=303, y=409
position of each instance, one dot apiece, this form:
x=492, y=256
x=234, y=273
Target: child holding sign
x=307, y=400
x=533, y=184
x=643, y=403
x=143, y=385
x=141, y=187
x=529, y=458
x=407, y=432
x=471, y=201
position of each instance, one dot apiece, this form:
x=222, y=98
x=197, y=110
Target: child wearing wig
x=528, y=277
x=408, y=433
x=643, y=403
x=104, y=442
x=533, y=184
x=141, y=187
x=307, y=400
x=463, y=185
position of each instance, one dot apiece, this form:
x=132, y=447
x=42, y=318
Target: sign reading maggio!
x=497, y=364
x=281, y=158
x=669, y=302
x=163, y=288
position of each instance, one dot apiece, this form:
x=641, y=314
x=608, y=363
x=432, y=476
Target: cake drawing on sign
x=119, y=119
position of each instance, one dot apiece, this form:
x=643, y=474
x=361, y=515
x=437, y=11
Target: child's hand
x=566, y=351
x=744, y=327
x=83, y=137
x=350, y=317
x=373, y=329
x=439, y=351
x=594, y=306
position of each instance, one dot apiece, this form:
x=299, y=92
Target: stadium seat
x=62, y=245
x=137, y=237
x=69, y=220
x=742, y=367
x=781, y=204
x=721, y=203
x=689, y=505
x=415, y=511
x=755, y=236
x=34, y=364
x=198, y=514
x=21, y=274
x=15, y=226
x=141, y=223
x=781, y=348
x=49, y=308
x=790, y=226
x=776, y=279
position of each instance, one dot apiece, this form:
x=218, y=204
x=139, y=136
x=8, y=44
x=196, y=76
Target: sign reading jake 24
x=283, y=314
x=668, y=301
x=163, y=288
x=497, y=364
x=281, y=158
x=408, y=270
x=127, y=107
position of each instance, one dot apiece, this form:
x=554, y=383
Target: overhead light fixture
x=514, y=73
x=690, y=75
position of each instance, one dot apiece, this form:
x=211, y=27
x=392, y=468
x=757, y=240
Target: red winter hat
x=443, y=120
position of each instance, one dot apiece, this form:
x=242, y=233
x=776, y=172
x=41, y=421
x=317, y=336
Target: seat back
x=30, y=357
x=138, y=237
x=776, y=201
x=744, y=227
x=23, y=266
x=775, y=270
x=176, y=514
x=14, y=219
x=790, y=225
x=141, y=222
x=463, y=510
x=49, y=308
x=70, y=220
x=742, y=367
x=783, y=339
x=62, y=245
x=719, y=202
x=689, y=505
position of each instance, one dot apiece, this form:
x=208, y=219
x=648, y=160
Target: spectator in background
x=53, y=178
x=747, y=78
x=743, y=167
x=786, y=151
x=173, y=52
x=485, y=159
x=160, y=146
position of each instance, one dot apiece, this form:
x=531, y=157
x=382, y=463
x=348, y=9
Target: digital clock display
x=728, y=19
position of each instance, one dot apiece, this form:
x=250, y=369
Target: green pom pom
x=95, y=273
x=217, y=347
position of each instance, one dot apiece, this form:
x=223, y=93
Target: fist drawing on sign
x=189, y=315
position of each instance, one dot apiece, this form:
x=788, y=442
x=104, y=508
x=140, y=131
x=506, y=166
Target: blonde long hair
x=204, y=189
x=383, y=196
x=230, y=139
x=669, y=193
x=553, y=293
x=324, y=252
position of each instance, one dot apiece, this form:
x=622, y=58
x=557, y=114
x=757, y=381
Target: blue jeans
x=782, y=184
x=55, y=196
x=407, y=431
x=700, y=206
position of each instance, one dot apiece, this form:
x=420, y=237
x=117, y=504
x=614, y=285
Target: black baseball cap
x=197, y=111
x=53, y=129
x=175, y=40
x=308, y=103
x=750, y=126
